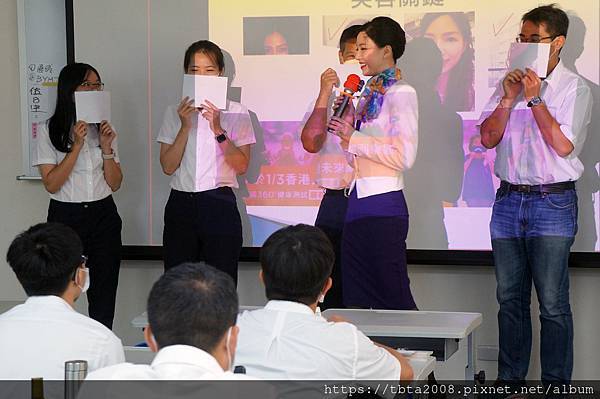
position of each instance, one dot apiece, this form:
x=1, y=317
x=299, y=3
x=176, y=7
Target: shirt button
x=85, y=206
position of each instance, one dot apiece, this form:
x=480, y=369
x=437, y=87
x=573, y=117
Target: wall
x=435, y=287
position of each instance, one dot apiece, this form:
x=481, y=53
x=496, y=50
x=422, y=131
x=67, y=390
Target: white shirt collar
x=49, y=300
x=190, y=355
x=289, y=306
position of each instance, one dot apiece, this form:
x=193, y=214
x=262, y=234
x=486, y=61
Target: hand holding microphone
x=352, y=85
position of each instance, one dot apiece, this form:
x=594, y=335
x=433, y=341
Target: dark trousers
x=203, y=226
x=98, y=224
x=330, y=220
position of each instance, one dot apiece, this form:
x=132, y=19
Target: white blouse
x=86, y=183
x=203, y=166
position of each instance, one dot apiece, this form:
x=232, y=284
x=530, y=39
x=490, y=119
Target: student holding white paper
x=80, y=169
x=204, y=149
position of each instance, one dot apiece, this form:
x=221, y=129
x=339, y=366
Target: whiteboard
x=42, y=54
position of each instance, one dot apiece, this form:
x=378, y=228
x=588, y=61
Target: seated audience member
x=192, y=311
x=38, y=336
x=287, y=339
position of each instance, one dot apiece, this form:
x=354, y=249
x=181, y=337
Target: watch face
x=221, y=138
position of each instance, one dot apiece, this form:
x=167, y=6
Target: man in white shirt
x=40, y=335
x=538, y=128
x=333, y=172
x=192, y=311
x=287, y=339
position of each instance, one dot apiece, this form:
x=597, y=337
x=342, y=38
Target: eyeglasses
x=533, y=39
x=93, y=85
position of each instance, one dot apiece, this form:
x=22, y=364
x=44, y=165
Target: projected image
x=334, y=25
x=479, y=181
x=276, y=35
x=452, y=33
x=287, y=178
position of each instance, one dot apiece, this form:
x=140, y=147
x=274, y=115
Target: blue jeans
x=532, y=234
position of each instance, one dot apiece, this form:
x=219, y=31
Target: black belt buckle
x=523, y=188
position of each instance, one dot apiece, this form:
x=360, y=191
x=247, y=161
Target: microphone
x=352, y=85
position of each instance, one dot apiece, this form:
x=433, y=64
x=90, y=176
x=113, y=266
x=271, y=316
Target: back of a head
x=296, y=262
x=555, y=19
x=45, y=257
x=192, y=304
x=385, y=31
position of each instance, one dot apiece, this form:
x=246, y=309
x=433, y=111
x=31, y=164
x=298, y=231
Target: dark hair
x=460, y=93
x=206, y=47
x=348, y=34
x=385, y=31
x=59, y=125
x=45, y=258
x=192, y=304
x=296, y=262
x=555, y=19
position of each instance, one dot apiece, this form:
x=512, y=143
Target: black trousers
x=98, y=224
x=203, y=226
x=330, y=219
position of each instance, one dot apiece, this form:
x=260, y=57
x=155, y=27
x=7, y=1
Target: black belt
x=329, y=191
x=552, y=188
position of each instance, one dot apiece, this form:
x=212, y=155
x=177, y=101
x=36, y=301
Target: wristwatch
x=535, y=101
x=221, y=137
x=108, y=156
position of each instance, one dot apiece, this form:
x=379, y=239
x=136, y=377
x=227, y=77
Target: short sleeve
x=239, y=126
x=575, y=114
x=44, y=152
x=170, y=126
x=374, y=362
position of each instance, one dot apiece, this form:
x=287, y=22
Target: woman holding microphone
x=381, y=138
x=204, y=149
x=80, y=169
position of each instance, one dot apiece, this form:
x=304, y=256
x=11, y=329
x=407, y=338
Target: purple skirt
x=374, y=269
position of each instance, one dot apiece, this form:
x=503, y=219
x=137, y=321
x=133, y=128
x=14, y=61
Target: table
x=419, y=330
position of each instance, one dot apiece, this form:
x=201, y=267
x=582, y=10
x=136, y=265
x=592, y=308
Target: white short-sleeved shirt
x=287, y=340
x=522, y=156
x=333, y=170
x=175, y=362
x=386, y=146
x=203, y=166
x=86, y=182
x=40, y=335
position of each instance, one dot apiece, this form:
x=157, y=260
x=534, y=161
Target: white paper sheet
x=201, y=88
x=92, y=106
x=529, y=55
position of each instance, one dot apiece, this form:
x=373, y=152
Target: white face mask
x=320, y=300
x=353, y=61
x=229, y=354
x=86, y=284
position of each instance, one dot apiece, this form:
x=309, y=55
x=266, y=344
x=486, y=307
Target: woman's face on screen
x=447, y=36
x=203, y=64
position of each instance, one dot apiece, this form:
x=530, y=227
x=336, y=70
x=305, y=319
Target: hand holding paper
x=92, y=106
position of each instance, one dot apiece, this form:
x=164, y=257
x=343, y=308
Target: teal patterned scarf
x=372, y=97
